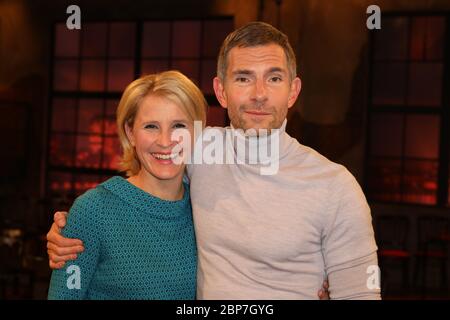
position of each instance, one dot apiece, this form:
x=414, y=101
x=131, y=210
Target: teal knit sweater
x=137, y=246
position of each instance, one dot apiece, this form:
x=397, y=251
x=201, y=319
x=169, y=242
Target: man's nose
x=260, y=91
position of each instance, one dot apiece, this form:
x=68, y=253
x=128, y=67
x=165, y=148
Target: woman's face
x=151, y=134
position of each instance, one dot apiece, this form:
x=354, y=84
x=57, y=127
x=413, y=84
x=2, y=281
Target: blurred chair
x=16, y=282
x=35, y=260
x=392, y=233
x=432, y=246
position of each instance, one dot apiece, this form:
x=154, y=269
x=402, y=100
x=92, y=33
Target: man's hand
x=323, y=293
x=61, y=249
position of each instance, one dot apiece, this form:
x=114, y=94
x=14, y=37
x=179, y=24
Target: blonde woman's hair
x=172, y=85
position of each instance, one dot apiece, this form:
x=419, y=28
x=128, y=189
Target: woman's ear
x=129, y=132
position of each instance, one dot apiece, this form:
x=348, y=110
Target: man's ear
x=296, y=87
x=129, y=132
x=220, y=92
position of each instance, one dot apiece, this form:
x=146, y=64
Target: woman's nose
x=165, y=139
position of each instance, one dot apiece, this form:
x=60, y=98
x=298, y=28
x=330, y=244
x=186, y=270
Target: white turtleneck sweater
x=277, y=236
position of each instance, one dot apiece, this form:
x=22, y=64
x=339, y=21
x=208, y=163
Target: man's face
x=257, y=90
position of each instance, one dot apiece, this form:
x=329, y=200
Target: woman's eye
x=179, y=125
x=150, y=126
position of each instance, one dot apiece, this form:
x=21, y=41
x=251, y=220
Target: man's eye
x=150, y=126
x=276, y=79
x=241, y=79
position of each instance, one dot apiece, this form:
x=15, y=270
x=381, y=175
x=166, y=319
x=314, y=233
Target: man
x=273, y=236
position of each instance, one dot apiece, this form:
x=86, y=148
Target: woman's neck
x=171, y=190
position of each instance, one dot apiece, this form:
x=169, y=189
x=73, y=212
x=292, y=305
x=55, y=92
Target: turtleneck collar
x=281, y=129
x=258, y=147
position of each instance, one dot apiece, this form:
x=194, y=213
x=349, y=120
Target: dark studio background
x=377, y=102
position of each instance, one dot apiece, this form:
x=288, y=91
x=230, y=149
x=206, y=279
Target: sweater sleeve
x=73, y=280
x=348, y=243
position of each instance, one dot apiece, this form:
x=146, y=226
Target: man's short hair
x=251, y=35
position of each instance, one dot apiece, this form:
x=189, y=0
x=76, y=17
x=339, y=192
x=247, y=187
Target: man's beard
x=248, y=125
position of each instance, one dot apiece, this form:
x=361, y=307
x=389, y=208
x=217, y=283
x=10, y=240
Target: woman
x=138, y=232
